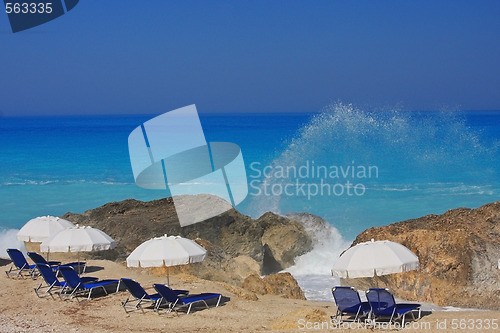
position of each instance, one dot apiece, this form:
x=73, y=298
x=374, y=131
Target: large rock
x=285, y=285
x=458, y=253
x=256, y=284
x=236, y=244
x=281, y=284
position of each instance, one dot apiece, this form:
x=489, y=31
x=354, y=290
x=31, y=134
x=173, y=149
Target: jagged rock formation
x=236, y=244
x=459, y=253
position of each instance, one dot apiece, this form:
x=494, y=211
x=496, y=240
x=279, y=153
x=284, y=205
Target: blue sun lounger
x=349, y=303
x=383, y=304
x=137, y=293
x=51, y=281
x=76, y=286
x=177, y=302
x=20, y=266
x=39, y=259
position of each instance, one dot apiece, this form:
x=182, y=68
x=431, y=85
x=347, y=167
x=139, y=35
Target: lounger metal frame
x=130, y=285
x=361, y=308
x=391, y=303
x=175, y=302
x=79, y=288
x=19, y=265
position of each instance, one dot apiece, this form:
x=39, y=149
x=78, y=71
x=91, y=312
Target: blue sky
x=123, y=57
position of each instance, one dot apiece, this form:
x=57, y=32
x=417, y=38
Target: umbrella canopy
x=168, y=251
x=374, y=258
x=78, y=239
x=41, y=228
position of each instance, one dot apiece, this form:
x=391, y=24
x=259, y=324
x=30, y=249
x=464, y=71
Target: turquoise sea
x=420, y=162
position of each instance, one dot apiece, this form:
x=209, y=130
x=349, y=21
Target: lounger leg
x=337, y=314
x=189, y=308
x=218, y=301
x=357, y=314
x=172, y=306
x=158, y=304
x=49, y=291
x=21, y=272
x=392, y=316
x=369, y=320
x=90, y=293
x=139, y=306
x=63, y=291
x=124, y=304
x=38, y=288
x=73, y=294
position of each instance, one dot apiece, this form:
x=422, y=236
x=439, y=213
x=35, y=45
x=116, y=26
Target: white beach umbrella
x=78, y=239
x=41, y=228
x=372, y=258
x=168, y=251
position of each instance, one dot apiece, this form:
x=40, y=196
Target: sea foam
x=312, y=270
x=8, y=240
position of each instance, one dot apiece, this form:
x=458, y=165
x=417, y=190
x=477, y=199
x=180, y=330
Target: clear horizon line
x=217, y=113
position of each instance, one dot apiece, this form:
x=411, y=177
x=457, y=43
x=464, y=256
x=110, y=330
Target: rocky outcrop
x=256, y=284
x=240, y=292
x=236, y=244
x=281, y=284
x=285, y=285
x=459, y=253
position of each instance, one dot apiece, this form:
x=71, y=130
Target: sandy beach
x=23, y=311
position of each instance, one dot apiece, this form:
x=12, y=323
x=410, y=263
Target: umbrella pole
x=168, y=276
x=78, y=265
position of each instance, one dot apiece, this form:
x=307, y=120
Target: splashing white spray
x=312, y=270
x=8, y=240
x=412, y=151
x=416, y=153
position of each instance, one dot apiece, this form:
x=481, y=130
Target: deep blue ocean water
x=426, y=163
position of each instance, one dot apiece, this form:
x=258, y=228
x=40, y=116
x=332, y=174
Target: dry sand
x=22, y=311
